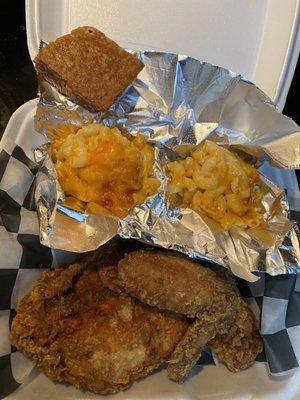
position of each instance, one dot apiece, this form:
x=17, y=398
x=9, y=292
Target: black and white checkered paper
x=274, y=300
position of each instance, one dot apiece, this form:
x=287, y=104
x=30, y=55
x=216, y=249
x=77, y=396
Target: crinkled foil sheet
x=176, y=101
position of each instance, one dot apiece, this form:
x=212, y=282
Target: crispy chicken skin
x=173, y=282
x=223, y=320
x=76, y=330
x=239, y=347
x=81, y=325
x=189, y=349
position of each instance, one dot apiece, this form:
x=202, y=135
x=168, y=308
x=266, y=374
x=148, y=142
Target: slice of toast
x=87, y=67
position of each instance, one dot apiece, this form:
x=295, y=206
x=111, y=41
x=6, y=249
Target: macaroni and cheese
x=102, y=170
x=218, y=183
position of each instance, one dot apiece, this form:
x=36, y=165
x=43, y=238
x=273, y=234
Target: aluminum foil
x=176, y=101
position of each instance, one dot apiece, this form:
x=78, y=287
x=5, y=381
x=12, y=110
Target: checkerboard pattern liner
x=23, y=259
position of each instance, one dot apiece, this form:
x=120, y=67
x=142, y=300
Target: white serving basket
x=259, y=39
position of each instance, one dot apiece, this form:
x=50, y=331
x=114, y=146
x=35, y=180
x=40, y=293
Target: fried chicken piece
x=189, y=349
x=239, y=347
x=76, y=330
x=173, y=282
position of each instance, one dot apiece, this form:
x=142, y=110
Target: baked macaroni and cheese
x=103, y=171
x=215, y=181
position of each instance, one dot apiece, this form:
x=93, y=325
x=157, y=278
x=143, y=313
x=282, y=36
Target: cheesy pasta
x=102, y=170
x=215, y=181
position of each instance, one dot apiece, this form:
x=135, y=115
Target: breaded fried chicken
x=189, y=349
x=76, y=330
x=173, y=282
x=239, y=347
x=81, y=324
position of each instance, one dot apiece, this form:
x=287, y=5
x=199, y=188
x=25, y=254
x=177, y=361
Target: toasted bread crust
x=88, y=67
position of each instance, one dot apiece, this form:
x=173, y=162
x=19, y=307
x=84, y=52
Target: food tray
x=256, y=61
x=255, y=383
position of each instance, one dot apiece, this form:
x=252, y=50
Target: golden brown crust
x=76, y=330
x=188, y=350
x=172, y=282
x=239, y=347
x=145, y=275
x=110, y=279
x=223, y=320
x=88, y=67
x=79, y=325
